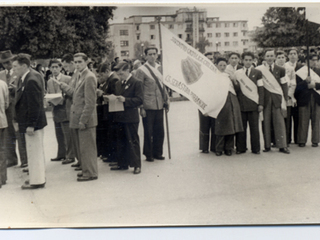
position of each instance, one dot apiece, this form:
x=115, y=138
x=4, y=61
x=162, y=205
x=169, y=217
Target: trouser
x=60, y=139
x=310, y=111
x=3, y=163
x=22, y=147
x=36, y=158
x=67, y=140
x=75, y=143
x=128, y=145
x=10, y=138
x=87, y=148
x=102, y=137
x=224, y=143
x=272, y=115
x=241, y=137
x=153, y=133
x=292, y=114
x=207, y=128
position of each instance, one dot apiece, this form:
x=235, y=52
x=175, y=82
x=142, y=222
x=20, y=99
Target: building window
x=244, y=43
x=124, y=53
x=138, y=37
x=227, y=25
x=201, y=35
x=124, y=43
x=209, y=35
x=171, y=26
x=152, y=37
x=244, y=25
x=138, y=27
x=227, y=44
x=218, y=35
x=209, y=25
x=210, y=44
x=235, y=24
x=152, y=27
x=124, y=32
x=244, y=34
x=218, y=25
x=180, y=35
x=235, y=43
x=226, y=34
x=235, y=34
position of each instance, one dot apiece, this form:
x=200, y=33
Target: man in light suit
x=83, y=118
x=31, y=118
x=60, y=118
x=11, y=135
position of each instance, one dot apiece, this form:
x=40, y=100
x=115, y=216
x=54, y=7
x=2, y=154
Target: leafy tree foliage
x=202, y=44
x=47, y=32
x=285, y=27
x=139, y=49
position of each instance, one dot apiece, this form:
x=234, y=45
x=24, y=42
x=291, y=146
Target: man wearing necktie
x=12, y=135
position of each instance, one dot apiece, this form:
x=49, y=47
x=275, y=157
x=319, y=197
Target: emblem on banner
x=191, y=70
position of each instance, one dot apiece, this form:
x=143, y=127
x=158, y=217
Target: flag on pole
x=190, y=73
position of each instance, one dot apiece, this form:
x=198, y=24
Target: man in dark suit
x=106, y=127
x=31, y=118
x=308, y=100
x=130, y=92
x=60, y=118
x=275, y=106
x=251, y=99
x=11, y=135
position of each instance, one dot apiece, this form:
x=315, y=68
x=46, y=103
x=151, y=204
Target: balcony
x=202, y=20
x=201, y=29
x=188, y=20
x=189, y=29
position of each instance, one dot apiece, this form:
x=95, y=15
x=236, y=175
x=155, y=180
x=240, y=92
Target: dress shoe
x=267, y=150
x=284, y=150
x=57, y=159
x=78, y=169
x=23, y=165
x=239, y=152
x=11, y=164
x=28, y=186
x=228, y=152
x=205, y=151
x=83, y=179
x=137, y=170
x=159, y=157
x=68, y=160
x=218, y=153
x=149, y=159
x=315, y=145
x=258, y=152
x=80, y=174
x=302, y=144
x=113, y=164
x=75, y=165
x=108, y=160
x=119, y=168
x=273, y=146
x=26, y=170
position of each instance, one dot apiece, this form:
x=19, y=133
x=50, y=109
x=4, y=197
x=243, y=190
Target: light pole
x=142, y=45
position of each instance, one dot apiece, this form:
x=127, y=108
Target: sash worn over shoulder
x=248, y=88
x=154, y=70
x=303, y=74
x=272, y=85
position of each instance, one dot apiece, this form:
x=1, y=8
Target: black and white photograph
x=180, y=115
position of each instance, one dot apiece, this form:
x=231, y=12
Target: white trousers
x=36, y=158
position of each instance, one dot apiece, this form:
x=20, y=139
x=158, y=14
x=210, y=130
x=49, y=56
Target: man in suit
x=155, y=100
x=129, y=91
x=4, y=104
x=31, y=118
x=11, y=135
x=276, y=95
x=308, y=100
x=251, y=99
x=59, y=112
x=83, y=118
x=106, y=127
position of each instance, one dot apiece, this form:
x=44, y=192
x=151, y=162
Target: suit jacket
x=278, y=73
x=133, y=93
x=4, y=104
x=83, y=108
x=303, y=93
x=29, y=102
x=246, y=104
x=59, y=112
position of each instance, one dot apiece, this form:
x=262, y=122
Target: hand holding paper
x=115, y=105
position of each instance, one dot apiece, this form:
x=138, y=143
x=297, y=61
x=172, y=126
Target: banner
x=190, y=73
x=303, y=74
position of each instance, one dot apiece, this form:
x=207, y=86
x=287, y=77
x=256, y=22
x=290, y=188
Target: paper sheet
x=54, y=98
x=114, y=104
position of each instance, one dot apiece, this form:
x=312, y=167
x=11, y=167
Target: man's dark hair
x=220, y=59
x=82, y=55
x=250, y=54
x=208, y=53
x=234, y=53
x=311, y=56
x=68, y=58
x=22, y=58
x=280, y=52
x=104, y=67
x=268, y=50
x=293, y=49
x=150, y=48
x=54, y=61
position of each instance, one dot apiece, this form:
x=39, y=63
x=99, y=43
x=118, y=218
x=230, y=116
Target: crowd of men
x=85, y=126
x=277, y=92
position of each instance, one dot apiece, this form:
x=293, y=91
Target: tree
x=202, y=44
x=284, y=27
x=47, y=32
x=139, y=49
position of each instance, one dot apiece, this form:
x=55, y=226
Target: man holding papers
x=308, y=99
x=251, y=99
x=276, y=94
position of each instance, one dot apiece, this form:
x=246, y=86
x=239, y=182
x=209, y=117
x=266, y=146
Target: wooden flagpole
x=165, y=112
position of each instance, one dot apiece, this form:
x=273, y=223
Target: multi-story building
x=188, y=24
